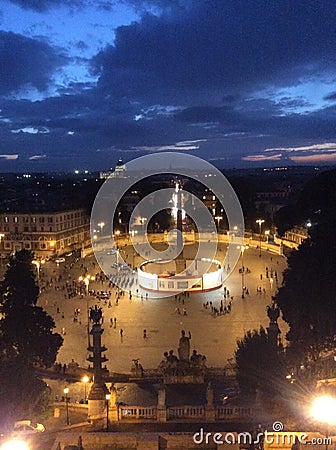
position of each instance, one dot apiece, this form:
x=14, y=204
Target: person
x=121, y=332
x=144, y=334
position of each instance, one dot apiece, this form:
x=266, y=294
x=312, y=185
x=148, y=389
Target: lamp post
x=260, y=222
x=101, y=226
x=2, y=235
x=66, y=391
x=242, y=249
x=324, y=410
x=86, y=281
x=85, y=380
x=218, y=218
x=107, y=398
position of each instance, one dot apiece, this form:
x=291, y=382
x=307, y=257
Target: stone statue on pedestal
x=184, y=346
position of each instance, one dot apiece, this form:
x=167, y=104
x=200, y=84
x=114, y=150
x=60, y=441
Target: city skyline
x=240, y=84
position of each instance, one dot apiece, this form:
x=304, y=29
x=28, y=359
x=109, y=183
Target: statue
x=113, y=393
x=172, y=360
x=184, y=346
x=96, y=314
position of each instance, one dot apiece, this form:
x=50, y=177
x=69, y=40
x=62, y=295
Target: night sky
x=242, y=83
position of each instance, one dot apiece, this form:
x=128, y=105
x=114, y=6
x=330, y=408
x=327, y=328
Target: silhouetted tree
x=307, y=297
x=260, y=363
x=26, y=335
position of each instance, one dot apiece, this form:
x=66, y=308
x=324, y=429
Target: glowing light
x=15, y=444
x=324, y=409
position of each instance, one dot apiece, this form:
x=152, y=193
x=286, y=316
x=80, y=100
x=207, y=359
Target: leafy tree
x=260, y=363
x=307, y=297
x=26, y=335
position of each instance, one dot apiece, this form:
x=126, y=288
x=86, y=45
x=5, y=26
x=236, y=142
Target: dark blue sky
x=248, y=83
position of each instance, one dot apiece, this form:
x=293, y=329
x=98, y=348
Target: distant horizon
x=88, y=171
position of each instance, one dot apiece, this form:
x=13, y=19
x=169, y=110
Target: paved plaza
x=213, y=336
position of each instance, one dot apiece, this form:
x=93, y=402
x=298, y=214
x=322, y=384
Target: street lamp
x=101, y=226
x=242, y=249
x=218, y=218
x=324, y=410
x=2, y=235
x=85, y=380
x=260, y=222
x=86, y=281
x=66, y=392
x=107, y=398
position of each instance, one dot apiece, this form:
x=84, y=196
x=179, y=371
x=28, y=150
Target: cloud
x=44, y=5
x=318, y=158
x=26, y=62
x=260, y=158
x=217, y=49
x=203, y=75
x=31, y=130
x=331, y=96
x=37, y=157
x=9, y=157
x=188, y=143
x=325, y=146
x=165, y=148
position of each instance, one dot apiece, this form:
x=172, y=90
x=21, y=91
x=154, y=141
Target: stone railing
x=234, y=412
x=194, y=413
x=185, y=412
x=137, y=412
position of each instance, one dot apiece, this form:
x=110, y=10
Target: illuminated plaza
x=163, y=318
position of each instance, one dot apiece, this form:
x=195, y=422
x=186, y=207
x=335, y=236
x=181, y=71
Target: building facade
x=46, y=234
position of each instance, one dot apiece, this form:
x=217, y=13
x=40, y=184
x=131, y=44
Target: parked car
x=27, y=427
x=60, y=260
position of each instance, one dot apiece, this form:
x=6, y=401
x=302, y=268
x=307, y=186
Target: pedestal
x=210, y=414
x=161, y=406
x=113, y=414
x=97, y=401
x=161, y=414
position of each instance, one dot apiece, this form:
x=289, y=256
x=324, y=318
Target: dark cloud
x=331, y=96
x=218, y=48
x=187, y=70
x=26, y=62
x=44, y=5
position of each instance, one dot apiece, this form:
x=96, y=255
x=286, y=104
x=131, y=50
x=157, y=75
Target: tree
x=260, y=363
x=26, y=334
x=307, y=297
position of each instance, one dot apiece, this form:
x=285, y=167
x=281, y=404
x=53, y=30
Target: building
x=297, y=235
x=45, y=233
x=118, y=172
